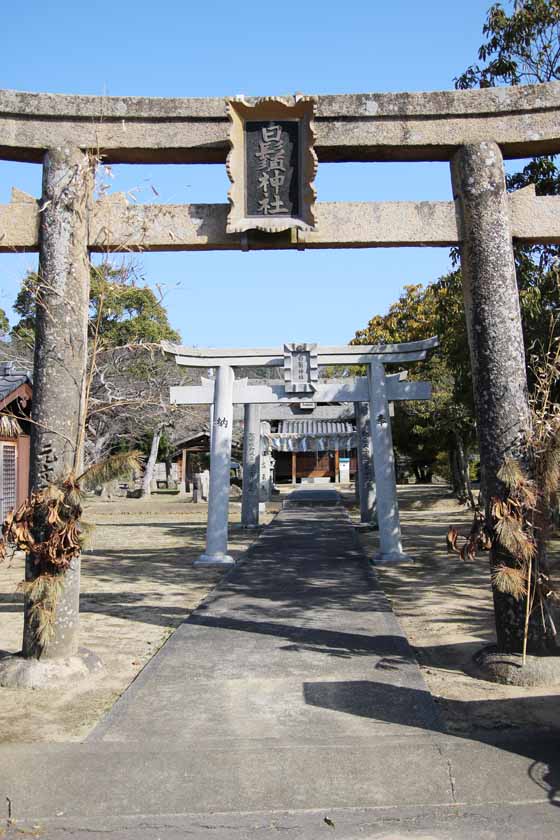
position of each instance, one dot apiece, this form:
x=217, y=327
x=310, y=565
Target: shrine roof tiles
x=12, y=376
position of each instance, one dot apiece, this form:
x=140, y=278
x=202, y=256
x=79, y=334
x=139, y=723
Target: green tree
x=520, y=48
x=523, y=47
x=4, y=324
x=122, y=311
x=423, y=430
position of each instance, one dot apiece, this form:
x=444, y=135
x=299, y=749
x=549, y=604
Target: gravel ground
x=445, y=608
x=139, y=584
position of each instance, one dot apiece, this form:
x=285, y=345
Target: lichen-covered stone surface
x=349, y=127
x=491, y=307
x=59, y=367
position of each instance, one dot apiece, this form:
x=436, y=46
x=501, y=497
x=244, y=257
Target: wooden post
x=336, y=466
x=183, y=483
x=294, y=467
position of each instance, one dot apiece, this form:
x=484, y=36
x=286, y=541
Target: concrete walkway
x=288, y=701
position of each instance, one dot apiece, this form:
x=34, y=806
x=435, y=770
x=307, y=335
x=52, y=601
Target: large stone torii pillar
x=495, y=335
x=60, y=361
x=59, y=380
x=377, y=389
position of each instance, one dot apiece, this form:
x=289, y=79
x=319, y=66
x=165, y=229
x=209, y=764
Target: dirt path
x=138, y=584
x=445, y=608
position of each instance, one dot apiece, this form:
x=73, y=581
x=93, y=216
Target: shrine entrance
x=312, y=450
x=301, y=386
x=271, y=148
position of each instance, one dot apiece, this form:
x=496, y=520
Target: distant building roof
x=196, y=443
x=12, y=375
x=315, y=427
x=312, y=436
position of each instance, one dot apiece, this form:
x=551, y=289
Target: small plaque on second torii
x=301, y=368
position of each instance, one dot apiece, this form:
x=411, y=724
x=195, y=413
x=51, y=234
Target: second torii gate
x=301, y=382
x=337, y=412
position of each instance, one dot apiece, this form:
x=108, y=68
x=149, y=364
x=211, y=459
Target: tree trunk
x=453, y=471
x=460, y=472
x=149, y=471
x=495, y=338
x=60, y=362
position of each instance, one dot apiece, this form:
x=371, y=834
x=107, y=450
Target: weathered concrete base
x=20, y=672
x=218, y=559
x=390, y=558
x=507, y=668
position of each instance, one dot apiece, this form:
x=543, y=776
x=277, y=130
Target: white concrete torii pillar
x=220, y=464
x=390, y=545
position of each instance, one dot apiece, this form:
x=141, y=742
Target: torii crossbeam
x=301, y=382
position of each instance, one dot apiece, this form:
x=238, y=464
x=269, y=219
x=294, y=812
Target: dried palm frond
x=47, y=527
x=528, y=495
x=514, y=539
x=499, y=508
x=54, y=492
x=72, y=494
x=115, y=466
x=468, y=552
x=43, y=594
x=86, y=533
x=9, y=426
x=452, y=537
x=549, y=463
x=485, y=539
x=510, y=580
x=511, y=473
x=478, y=539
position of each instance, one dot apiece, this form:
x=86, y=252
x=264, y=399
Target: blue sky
x=222, y=48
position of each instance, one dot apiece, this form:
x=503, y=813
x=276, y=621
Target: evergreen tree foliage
x=122, y=309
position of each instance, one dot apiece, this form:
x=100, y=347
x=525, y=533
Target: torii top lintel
x=411, y=351
x=523, y=120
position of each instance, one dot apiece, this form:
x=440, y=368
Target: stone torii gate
x=473, y=130
x=338, y=412
x=359, y=411
x=300, y=364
